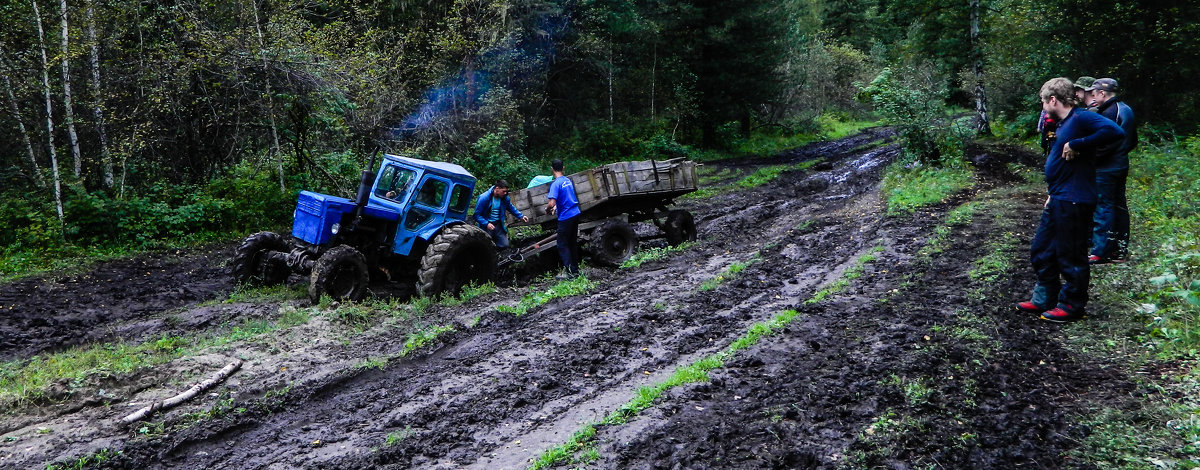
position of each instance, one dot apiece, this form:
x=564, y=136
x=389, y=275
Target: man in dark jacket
x=1058, y=251
x=490, y=211
x=1110, y=236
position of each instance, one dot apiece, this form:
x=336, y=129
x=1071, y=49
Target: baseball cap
x=1106, y=84
x=1084, y=82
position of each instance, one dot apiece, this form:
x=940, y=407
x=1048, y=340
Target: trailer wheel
x=340, y=273
x=250, y=263
x=460, y=255
x=680, y=227
x=613, y=242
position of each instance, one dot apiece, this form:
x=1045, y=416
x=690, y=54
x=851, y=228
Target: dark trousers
x=568, y=244
x=1059, y=255
x=1110, y=237
x=499, y=235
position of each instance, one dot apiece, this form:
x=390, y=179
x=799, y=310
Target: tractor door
x=425, y=215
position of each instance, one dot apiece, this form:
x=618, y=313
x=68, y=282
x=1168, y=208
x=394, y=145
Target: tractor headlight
x=335, y=228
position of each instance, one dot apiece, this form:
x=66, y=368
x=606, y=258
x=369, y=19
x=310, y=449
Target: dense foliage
x=197, y=118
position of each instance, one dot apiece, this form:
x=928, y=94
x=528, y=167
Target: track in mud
x=498, y=392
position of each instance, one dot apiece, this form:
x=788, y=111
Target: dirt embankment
x=915, y=363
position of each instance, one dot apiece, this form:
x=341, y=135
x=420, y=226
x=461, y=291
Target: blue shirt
x=562, y=191
x=1075, y=180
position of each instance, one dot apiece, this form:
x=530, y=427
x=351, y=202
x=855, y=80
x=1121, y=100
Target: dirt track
x=835, y=389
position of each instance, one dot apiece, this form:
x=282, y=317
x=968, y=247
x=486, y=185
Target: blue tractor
x=408, y=222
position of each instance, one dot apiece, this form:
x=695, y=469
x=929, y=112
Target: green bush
x=911, y=100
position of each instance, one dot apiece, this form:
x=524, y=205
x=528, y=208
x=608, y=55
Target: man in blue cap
x=1110, y=236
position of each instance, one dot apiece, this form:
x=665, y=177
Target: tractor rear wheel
x=460, y=255
x=340, y=273
x=250, y=262
x=680, y=227
x=613, y=242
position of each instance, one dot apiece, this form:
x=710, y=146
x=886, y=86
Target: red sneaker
x=1030, y=307
x=1058, y=315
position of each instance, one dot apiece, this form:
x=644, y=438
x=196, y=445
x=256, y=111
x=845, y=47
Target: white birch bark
x=16, y=113
x=49, y=112
x=982, y=125
x=68, y=111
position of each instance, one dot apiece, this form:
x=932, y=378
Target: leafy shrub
x=911, y=100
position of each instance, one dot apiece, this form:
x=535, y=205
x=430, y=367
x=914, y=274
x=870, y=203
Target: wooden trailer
x=611, y=198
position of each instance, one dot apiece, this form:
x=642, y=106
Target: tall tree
x=982, y=126
x=49, y=112
x=68, y=110
x=16, y=113
x=262, y=53
x=106, y=163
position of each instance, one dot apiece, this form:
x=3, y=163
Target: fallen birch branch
x=186, y=395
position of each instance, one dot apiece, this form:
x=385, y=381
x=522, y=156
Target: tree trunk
x=49, y=112
x=653, y=78
x=106, y=164
x=262, y=45
x=16, y=112
x=68, y=112
x=982, y=126
x=610, y=82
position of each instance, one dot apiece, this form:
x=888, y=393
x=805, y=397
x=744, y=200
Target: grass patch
x=89, y=461
x=730, y=272
x=396, y=437
x=908, y=188
x=565, y=288
x=421, y=338
x=755, y=179
x=655, y=254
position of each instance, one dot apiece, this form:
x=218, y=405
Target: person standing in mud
x=564, y=201
x=490, y=210
x=1110, y=235
x=1059, y=248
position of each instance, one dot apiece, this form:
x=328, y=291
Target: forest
x=135, y=123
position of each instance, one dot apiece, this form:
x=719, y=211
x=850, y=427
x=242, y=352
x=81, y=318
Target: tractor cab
x=427, y=195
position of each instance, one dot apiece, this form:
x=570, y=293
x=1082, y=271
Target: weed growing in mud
x=565, y=288
x=372, y=363
x=89, y=461
x=655, y=254
x=468, y=292
x=395, y=437
x=907, y=189
x=729, y=273
x=854, y=272
x=250, y=294
x=421, y=338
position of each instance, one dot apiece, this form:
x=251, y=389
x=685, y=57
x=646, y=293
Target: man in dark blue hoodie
x=1059, y=248
x=490, y=210
x=1110, y=237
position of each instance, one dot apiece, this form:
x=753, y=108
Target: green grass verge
x=755, y=179
x=907, y=189
x=565, y=288
x=732, y=271
x=655, y=254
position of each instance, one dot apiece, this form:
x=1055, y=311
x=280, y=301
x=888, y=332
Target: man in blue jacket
x=1059, y=248
x=490, y=210
x=562, y=199
x=1110, y=237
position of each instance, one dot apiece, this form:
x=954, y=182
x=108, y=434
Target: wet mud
x=827, y=392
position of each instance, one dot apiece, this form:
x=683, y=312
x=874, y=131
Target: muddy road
x=904, y=352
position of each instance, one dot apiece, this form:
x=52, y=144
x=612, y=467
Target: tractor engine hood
x=316, y=213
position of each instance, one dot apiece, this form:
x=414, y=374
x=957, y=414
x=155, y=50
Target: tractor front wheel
x=340, y=273
x=251, y=264
x=460, y=255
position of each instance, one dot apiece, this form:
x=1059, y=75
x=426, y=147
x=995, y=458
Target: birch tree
x=982, y=126
x=68, y=112
x=106, y=163
x=15, y=109
x=49, y=111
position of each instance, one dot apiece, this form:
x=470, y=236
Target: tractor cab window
x=395, y=182
x=432, y=193
x=460, y=198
